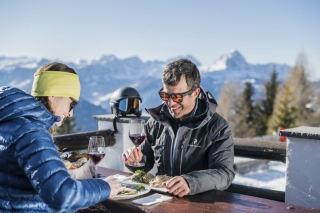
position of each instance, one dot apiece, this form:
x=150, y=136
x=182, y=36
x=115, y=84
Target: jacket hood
x=208, y=97
x=15, y=103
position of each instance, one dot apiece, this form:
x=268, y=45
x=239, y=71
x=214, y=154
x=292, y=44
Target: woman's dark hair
x=173, y=71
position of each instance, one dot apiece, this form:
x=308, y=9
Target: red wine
x=96, y=157
x=137, y=139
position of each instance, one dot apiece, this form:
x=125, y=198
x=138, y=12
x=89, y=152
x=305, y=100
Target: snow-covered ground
x=272, y=178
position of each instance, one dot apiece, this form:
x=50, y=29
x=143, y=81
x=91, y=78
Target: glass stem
x=137, y=162
x=96, y=171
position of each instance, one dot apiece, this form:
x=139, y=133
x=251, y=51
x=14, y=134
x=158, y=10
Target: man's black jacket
x=200, y=148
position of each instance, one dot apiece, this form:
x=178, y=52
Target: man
x=185, y=137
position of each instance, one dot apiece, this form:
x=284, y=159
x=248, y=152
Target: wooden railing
x=256, y=149
x=80, y=141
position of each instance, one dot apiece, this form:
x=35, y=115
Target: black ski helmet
x=124, y=101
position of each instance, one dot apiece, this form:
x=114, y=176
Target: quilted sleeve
x=38, y=157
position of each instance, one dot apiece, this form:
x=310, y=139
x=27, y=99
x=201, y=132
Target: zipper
x=171, y=158
x=163, y=156
x=182, y=146
x=173, y=149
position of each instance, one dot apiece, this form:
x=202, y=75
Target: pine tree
x=301, y=88
x=265, y=108
x=314, y=109
x=68, y=126
x=244, y=113
x=286, y=112
x=247, y=101
x=227, y=100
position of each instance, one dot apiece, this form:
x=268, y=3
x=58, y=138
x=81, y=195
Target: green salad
x=140, y=176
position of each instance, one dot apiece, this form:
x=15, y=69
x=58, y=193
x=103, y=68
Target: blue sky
x=263, y=31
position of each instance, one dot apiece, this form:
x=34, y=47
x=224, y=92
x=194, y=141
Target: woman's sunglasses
x=176, y=97
x=73, y=104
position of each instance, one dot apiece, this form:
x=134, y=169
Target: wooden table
x=210, y=201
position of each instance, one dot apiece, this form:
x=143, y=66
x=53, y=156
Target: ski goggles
x=130, y=105
x=176, y=97
x=73, y=104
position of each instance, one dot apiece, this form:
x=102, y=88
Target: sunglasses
x=73, y=104
x=176, y=97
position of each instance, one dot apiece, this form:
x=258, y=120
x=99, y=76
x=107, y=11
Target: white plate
x=159, y=189
x=122, y=177
x=119, y=177
x=125, y=197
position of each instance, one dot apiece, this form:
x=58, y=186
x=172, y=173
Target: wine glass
x=96, y=151
x=137, y=136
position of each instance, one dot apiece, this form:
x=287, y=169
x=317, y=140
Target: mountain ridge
x=101, y=77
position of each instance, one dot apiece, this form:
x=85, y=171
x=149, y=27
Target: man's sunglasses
x=73, y=104
x=176, y=97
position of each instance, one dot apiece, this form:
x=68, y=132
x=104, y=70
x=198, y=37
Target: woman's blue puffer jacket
x=32, y=176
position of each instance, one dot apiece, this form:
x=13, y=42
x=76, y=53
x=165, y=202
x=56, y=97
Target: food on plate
x=130, y=189
x=74, y=160
x=67, y=164
x=158, y=180
x=141, y=176
x=73, y=165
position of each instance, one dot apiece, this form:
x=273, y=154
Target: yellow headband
x=56, y=83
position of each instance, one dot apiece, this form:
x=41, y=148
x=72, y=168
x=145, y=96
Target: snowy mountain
x=231, y=61
x=100, y=78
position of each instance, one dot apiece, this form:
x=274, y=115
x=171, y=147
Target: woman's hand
x=114, y=186
x=132, y=155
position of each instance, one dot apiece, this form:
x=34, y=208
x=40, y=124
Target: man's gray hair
x=172, y=73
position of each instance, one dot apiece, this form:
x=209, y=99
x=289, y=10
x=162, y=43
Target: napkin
x=152, y=199
x=121, y=177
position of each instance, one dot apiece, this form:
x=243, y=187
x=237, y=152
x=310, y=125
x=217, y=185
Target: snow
x=273, y=178
x=102, y=98
x=249, y=80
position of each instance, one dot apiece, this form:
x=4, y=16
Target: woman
x=32, y=176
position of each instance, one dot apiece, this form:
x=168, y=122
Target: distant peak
x=107, y=57
x=231, y=60
x=189, y=57
x=133, y=59
x=235, y=55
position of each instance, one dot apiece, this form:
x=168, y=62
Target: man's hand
x=114, y=186
x=132, y=155
x=177, y=186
